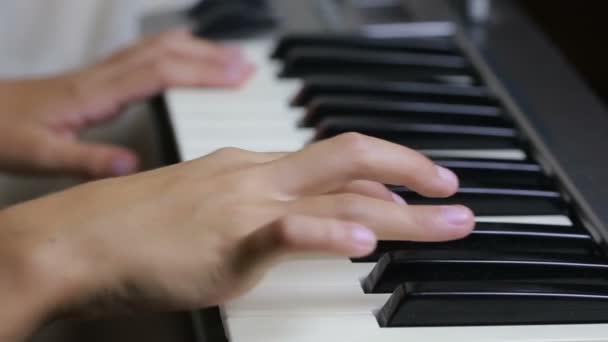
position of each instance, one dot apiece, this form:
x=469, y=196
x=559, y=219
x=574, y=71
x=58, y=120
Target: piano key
x=474, y=304
x=245, y=130
x=203, y=7
x=496, y=201
x=323, y=108
x=489, y=154
x=336, y=272
x=307, y=62
x=402, y=91
x=496, y=173
x=201, y=147
x=554, y=220
x=424, y=136
x=510, y=238
x=400, y=267
x=365, y=328
x=206, y=120
x=299, y=286
x=339, y=300
x=289, y=42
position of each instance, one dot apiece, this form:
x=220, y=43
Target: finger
x=108, y=97
x=135, y=49
x=178, y=42
x=178, y=45
x=371, y=189
x=389, y=220
x=181, y=72
x=329, y=165
x=301, y=234
x=89, y=160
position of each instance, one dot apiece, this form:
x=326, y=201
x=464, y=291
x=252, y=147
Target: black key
x=420, y=45
x=492, y=173
x=308, y=62
x=233, y=20
x=423, y=136
x=396, y=268
x=203, y=7
x=405, y=112
x=393, y=91
x=504, y=237
x=482, y=303
x=497, y=201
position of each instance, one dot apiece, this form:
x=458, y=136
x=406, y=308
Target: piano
x=476, y=86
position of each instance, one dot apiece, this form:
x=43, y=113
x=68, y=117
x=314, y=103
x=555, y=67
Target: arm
x=204, y=232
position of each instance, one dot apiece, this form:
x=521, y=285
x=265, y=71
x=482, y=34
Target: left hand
x=41, y=119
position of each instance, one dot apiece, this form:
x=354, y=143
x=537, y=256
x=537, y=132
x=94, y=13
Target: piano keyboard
x=531, y=271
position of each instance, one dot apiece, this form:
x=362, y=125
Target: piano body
x=477, y=87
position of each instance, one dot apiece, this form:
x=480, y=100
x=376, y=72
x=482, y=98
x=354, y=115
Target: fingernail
x=398, y=199
x=235, y=72
x=234, y=54
x=456, y=215
x=363, y=236
x=123, y=166
x=447, y=175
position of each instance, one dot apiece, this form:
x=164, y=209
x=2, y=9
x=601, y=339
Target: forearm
x=27, y=293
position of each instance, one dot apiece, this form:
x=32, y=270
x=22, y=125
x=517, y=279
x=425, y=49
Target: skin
x=204, y=232
x=41, y=119
x=195, y=234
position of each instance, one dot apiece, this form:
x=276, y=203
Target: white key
x=193, y=151
x=310, y=301
x=364, y=328
x=555, y=220
x=308, y=284
x=317, y=272
x=256, y=117
x=515, y=155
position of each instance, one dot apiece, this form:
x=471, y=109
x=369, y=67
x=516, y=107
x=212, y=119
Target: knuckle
x=358, y=149
x=161, y=67
x=348, y=205
x=333, y=232
x=164, y=42
x=164, y=70
x=230, y=152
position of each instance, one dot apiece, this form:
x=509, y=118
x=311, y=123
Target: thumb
x=91, y=160
x=299, y=234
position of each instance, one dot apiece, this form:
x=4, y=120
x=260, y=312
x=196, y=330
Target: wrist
x=33, y=282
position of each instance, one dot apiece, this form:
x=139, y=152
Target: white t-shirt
x=39, y=37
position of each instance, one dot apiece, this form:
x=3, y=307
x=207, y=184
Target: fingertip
x=238, y=73
x=234, y=55
x=398, y=199
x=459, y=220
x=449, y=182
x=122, y=164
x=363, y=240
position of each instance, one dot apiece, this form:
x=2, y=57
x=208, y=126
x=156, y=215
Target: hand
x=40, y=120
x=203, y=232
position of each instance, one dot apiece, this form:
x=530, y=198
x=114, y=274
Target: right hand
x=204, y=232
